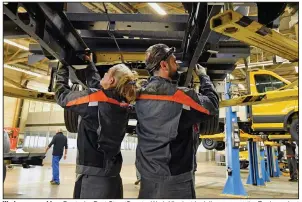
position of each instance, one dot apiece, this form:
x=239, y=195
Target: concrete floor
x=210, y=180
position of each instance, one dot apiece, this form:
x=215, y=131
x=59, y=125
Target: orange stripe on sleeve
x=179, y=97
x=78, y=101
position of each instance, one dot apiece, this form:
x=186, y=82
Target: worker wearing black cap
x=166, y=114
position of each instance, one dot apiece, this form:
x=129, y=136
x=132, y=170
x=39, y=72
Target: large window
x=35, y=139
x=42, y=140
x=265, y=82
x=57, y=108
x=36, y=106
x=46, y=107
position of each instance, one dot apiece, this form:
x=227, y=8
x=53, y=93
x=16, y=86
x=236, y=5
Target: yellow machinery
x=276, y=112
x=244, y=29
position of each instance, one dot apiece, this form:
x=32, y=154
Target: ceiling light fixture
x=15, y=44
x=157, y=8
x=22, y=70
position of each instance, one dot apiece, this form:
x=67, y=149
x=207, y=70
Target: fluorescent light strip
x=22, y=70
x=15, y=44
x=157, y=8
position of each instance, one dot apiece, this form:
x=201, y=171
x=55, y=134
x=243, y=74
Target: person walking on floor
x=59, y=141
x=291, y=160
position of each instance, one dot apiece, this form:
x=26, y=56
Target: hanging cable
x=111, y=34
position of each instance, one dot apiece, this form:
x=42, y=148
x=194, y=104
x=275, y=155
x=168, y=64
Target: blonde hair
x=126, y=81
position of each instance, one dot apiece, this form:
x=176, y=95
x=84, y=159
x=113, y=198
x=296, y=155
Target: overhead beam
x=127, y=17
x=114, y=7
x=173, y=7
x=60, y=40
x=101, y=8
x=16, y=61
x=13, y=82
x=140, y=5
x=201, y=43
x=28, y=94
x=112, y=58
x=130, y=7
x=126, y=45
x=36, y=69
x=19, y=55
x=92, y=7
x=243, y=72
x=11, y=57
x=121, y=8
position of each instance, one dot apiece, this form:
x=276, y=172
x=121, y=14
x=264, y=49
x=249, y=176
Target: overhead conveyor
x=242, y=28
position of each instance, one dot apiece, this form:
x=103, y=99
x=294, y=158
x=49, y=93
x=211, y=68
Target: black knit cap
x=155, y=54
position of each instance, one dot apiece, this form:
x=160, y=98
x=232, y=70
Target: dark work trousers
x=292, y=165
x=97, y=187
x=138, y=175
x=172, y=187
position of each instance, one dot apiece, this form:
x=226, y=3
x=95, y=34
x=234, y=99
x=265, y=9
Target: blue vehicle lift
x=263, y=166
x=233, y=185
x=272, y=161
x=256, y=164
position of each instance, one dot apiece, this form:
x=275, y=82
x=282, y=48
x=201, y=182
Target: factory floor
x=210, y=180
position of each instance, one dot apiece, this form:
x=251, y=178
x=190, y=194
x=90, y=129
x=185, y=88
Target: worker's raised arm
x=207, y=88
x=206, y=102
x=77, y=101
x=92, y=74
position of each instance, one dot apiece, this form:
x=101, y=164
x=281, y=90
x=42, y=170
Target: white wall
x=9, y=109
x=24, y=115
x=45, y=117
